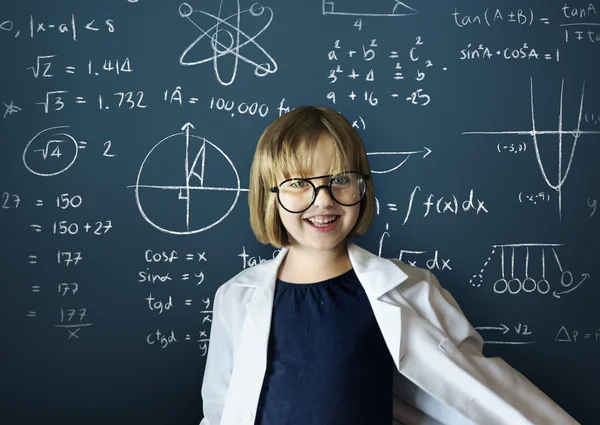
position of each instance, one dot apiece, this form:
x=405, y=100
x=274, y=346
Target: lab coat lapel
x=379, y=276
x=251, y=353
x=426, y=375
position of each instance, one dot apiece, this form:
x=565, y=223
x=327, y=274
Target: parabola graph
x=186, y=184
x=535, y=134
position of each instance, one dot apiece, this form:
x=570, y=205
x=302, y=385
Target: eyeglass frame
x=275, y=189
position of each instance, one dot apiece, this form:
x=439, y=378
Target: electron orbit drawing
x=367, y=8
x=223, y=37
x=513, y=282
x=534, y=133
x=51, y=152
x=172, y=190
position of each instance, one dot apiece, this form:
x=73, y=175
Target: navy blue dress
x=327, y=361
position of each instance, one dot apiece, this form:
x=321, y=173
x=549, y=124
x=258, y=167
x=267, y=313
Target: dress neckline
x=331, y=280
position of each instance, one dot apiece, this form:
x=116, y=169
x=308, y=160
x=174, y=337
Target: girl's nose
x=323, y=199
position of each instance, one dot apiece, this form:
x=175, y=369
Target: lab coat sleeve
x=405, y=413
x=502, y=386
x=217, y=372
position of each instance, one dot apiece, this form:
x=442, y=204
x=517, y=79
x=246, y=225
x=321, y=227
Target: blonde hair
x=286, y=149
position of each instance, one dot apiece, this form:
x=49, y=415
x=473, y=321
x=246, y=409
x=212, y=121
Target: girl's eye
x=297, y=184
x=340, y=179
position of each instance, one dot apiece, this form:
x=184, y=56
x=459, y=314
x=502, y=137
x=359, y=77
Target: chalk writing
x=346, y=60
x=574, y=335
x=443, y=204
x=389, y=8
x=502, y=329
x=512, y=281
x=523, y=52
x=71, y=26
x=194, y=181
x=10, y=108
x=560, y=133
x=235, y=39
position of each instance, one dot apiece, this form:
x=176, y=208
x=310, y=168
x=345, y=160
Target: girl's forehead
x=322, y=157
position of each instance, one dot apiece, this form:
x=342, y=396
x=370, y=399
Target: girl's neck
x=302, y=265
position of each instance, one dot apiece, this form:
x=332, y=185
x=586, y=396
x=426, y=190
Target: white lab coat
x=442, y=376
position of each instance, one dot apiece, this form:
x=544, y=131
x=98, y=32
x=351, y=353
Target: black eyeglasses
x=296, y=195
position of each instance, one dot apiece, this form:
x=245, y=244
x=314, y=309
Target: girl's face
x=306, y=229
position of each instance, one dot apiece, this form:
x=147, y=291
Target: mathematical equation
x=71, y=319
x=564, y=335
x=347, y=60
x=571, y=16
x=417, y=258
x=162, y=281
x=68, y=27
x=441, y=205
x=45, y=66
x=571, y=335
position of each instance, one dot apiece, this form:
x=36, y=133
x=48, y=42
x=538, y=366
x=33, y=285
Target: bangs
x=297, y=157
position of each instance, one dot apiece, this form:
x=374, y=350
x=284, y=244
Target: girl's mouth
x=322, y=223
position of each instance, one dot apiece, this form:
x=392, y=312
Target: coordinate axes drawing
x=184, y=159
x=226, y=38
x=534, y=133
x=367, y=8
x=513, y=282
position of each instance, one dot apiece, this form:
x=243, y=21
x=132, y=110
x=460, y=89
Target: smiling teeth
x=319, y=220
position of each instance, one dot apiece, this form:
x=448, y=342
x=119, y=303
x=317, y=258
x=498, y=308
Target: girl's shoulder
x=257, y=276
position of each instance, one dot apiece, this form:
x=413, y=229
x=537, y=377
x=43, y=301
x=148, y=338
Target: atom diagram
x=227, y=39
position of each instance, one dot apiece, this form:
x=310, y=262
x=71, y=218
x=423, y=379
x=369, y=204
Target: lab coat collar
x=377, y=275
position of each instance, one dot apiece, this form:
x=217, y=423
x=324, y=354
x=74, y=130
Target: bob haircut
x=286, y=149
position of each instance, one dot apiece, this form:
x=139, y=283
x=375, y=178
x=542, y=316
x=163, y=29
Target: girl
x=328, y=333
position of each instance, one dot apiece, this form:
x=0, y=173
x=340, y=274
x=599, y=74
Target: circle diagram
x=50, y=152
x=171, y=190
